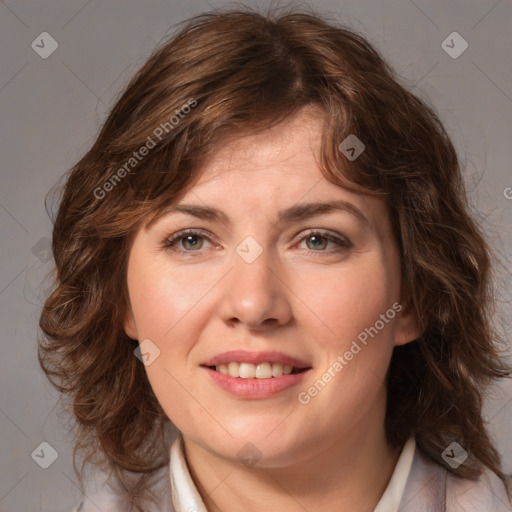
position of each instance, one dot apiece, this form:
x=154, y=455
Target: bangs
x=179, y=116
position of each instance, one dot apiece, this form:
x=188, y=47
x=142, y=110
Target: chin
x=254, y=443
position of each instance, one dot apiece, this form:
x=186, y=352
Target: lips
x=254, y=389
x=255, y=375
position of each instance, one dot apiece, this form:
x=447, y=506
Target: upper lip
x=243, y=356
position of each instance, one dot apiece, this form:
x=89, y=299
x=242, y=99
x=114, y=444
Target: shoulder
x=103, y=500
x=488, y=493
x=430, y=487
x=107, y=501
x=103, y=497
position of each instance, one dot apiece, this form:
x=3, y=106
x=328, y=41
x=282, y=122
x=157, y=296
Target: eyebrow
x=293, y=214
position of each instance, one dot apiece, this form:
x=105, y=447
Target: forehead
x=292, y=146
x=275, y=169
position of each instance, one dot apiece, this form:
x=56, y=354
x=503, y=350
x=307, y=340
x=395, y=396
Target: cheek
x=162, y=298
x=354, y=343
x=175, y=392
x=347, y=300
x=166, y=310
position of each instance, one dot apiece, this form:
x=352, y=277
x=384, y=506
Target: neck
x=351, y=473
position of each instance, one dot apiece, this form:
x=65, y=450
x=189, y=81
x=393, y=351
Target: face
x=248, y=278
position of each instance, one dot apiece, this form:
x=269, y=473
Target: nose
x=255, y=294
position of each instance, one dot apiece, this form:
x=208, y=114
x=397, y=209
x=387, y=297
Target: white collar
x=185, y=496
x=390, y=500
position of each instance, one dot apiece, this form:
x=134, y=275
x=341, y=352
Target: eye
x=317, y=241
x=189, y=240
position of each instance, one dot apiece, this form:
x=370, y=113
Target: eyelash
x=169, y=243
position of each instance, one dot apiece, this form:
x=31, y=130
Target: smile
x=255, y=375
x=265, y=370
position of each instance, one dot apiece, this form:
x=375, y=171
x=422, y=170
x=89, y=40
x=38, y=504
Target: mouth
x=265, y=370
x=246, y=386
x=256, y=375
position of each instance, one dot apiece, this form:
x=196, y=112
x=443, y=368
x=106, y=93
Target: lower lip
x=255, y=388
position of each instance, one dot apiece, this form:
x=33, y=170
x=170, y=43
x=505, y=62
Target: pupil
x=194, y=241
x=317, y=240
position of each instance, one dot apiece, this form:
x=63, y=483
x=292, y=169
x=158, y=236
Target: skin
x=305, y=299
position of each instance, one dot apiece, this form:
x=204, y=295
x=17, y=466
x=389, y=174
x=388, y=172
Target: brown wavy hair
x=241, y=72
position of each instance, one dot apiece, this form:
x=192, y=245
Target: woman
x=270, y=293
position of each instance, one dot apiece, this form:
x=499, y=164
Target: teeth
x=251, y=371
x=277, y=370
x=287, y=369
x=264, y=371
x=247, y=371
x=234, y=369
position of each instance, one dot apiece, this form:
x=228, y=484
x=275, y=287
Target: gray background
x=51, y=109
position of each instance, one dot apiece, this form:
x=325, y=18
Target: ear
x=130, y=328
x=407, y=327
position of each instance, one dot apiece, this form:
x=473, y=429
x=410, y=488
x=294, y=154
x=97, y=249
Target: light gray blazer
x=429, y=488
